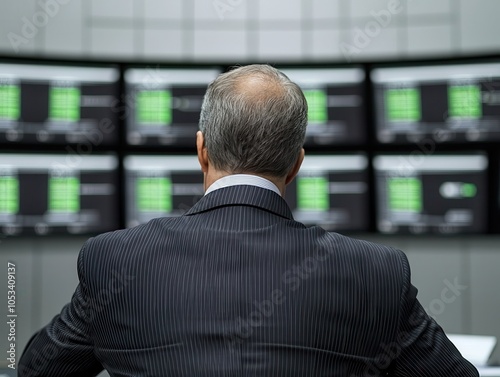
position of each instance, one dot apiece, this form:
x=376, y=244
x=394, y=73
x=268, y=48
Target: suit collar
x=243, y=195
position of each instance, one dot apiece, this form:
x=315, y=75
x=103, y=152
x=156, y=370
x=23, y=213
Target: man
x=236, y=287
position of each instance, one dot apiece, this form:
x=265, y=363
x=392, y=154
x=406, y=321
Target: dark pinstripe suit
x=236, y=287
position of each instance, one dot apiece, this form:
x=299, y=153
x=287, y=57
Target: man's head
x=253, y=121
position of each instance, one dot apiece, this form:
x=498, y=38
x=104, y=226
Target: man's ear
x=202, y=152
x=296, y=167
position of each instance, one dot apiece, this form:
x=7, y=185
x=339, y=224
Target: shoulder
x=363, y=254
x=124, y=246
x=137, y=235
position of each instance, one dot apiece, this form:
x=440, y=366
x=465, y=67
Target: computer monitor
x=58, y=104
x=445, y=194
x=163, y=105
x=443, y=103
x=44, y=194
x=336, y=100
x=160, y=186
x=331, y=191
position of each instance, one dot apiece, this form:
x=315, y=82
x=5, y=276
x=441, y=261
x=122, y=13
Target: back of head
x=253, y=120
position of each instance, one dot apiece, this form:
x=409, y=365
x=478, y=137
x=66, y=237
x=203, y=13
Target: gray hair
x=254, y=120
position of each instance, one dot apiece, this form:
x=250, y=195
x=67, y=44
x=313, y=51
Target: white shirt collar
x=243, y=179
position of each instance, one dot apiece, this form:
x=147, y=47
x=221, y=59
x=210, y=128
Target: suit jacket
x=236, y=287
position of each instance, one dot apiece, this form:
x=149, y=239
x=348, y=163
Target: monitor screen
x=163, y=105
x=431, y=194
x=49, y=104
x=161, y=186
x=445, y=103
x=44, y=194
x=332, y=192
x=336, y=100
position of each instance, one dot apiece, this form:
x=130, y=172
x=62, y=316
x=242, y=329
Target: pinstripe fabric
x=236, y=287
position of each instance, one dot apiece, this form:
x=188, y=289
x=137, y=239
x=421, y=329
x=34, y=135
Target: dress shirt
x=243, y=179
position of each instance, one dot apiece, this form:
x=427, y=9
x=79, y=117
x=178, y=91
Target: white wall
x=243, y=30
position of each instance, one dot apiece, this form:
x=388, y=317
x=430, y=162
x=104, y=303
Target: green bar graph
x=64, y=104
x=405, y=194
x=154, y=194
x=313, y=194
x=10, y=102
x=403, y=105
x=154, y=107
x=317, y=102
x=64, y=194
x=9, y=195
x=464, y=101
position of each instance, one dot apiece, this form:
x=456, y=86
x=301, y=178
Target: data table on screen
x=10, y=101
x=64, y=104
x=160, y=186
x=44, y=194
x=442, y=103
x=445, y=194
x=9, y=192
x=163, y=105
x=331, y=191
x=58, y=104
x=337, y=104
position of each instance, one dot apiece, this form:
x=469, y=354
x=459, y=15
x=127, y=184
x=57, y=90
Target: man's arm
x=424, y=350
x=63, y=347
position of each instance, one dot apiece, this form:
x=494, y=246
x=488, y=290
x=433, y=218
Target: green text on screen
x=313, y=194
x=9, y=195
x=154, y=194
x=405, y=194
x=403, y=105
x=464, y=101
x=64, y=194
x=317, y=102
x=64, y=104
x=154, y=107
x=10, y=102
